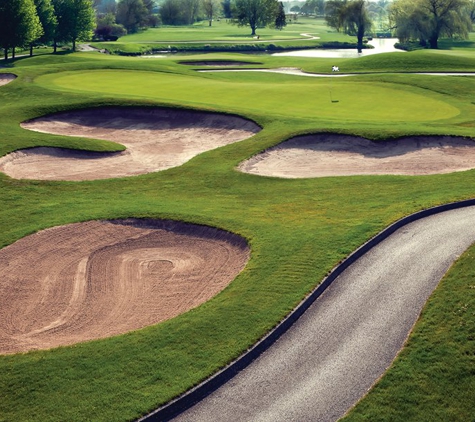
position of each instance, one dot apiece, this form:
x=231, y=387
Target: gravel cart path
x=345, y=341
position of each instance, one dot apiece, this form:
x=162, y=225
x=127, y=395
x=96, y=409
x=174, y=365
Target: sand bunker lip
x=217, y=63
x=6, y=78
x=156, y=139
x=103, y=278
x=324, y=155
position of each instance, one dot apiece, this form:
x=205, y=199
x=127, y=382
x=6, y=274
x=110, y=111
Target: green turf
x=358, y=100
x=297, y=229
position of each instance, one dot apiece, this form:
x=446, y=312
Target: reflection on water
x=381, y=45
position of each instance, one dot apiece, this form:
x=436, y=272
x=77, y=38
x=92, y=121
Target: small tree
x=171, y=13
x=350, y=16
x=190, y=10
x=210, y=8
x=107, y=28
x=76, y=20
x=227, y=9
x=132, y=14
x=255, y=13
x=49, y=23
x=280, y=21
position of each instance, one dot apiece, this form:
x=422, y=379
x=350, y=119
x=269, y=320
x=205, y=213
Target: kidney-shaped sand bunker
x=92, y=280
x=6, y=78
x=342, y=155
x=155, y=138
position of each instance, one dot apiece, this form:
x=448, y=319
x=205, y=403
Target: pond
x=381, y=45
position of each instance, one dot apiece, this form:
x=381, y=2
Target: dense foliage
x=350, y=16
x=428, y=20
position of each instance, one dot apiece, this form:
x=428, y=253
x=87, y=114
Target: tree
x=49, y=23
x=280, y=21
x=428, y=20
x=76, y=20
x=350, y=16
x=254, y=13
x=132, y=14
x=227, y=9
x=334, y=13
x=107, y=28
x=316, y=7
x=19, y=24
x=210, y=8
x=171, y=13
x=320, y=7
x=190, y=10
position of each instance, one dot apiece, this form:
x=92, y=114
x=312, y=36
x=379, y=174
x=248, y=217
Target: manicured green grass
x=281, y=95
x=297, y=229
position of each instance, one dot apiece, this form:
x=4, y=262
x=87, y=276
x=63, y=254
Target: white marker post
x=334, y=69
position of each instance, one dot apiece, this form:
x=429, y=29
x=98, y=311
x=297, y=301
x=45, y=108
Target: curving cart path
x=344, y=342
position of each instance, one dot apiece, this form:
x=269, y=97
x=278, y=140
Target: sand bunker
x=156, y=139
x=338, y=155
x=217, y=63
x=5, y=78
x=101, y=278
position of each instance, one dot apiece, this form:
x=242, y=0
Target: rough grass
x=297, y=229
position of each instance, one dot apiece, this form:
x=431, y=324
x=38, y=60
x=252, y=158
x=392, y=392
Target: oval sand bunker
x=97, y=279
x=6, y=78
x=156, y=139
x=339, y=155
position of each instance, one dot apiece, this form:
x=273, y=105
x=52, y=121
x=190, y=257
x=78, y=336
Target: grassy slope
x=298, y=230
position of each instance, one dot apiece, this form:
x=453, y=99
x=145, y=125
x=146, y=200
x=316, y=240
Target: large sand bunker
x=339, y=155
x=156, y=139
x=101, y=278
x=5, y=78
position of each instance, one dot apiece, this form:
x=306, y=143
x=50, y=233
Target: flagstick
x=334, y=69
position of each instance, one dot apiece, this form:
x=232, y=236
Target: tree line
x=32, y=22
x=26, y=22
x=52, y=22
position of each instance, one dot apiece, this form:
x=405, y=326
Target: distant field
x=223, y=30
x=306, y=32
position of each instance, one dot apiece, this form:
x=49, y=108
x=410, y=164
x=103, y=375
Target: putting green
x=350, y=99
